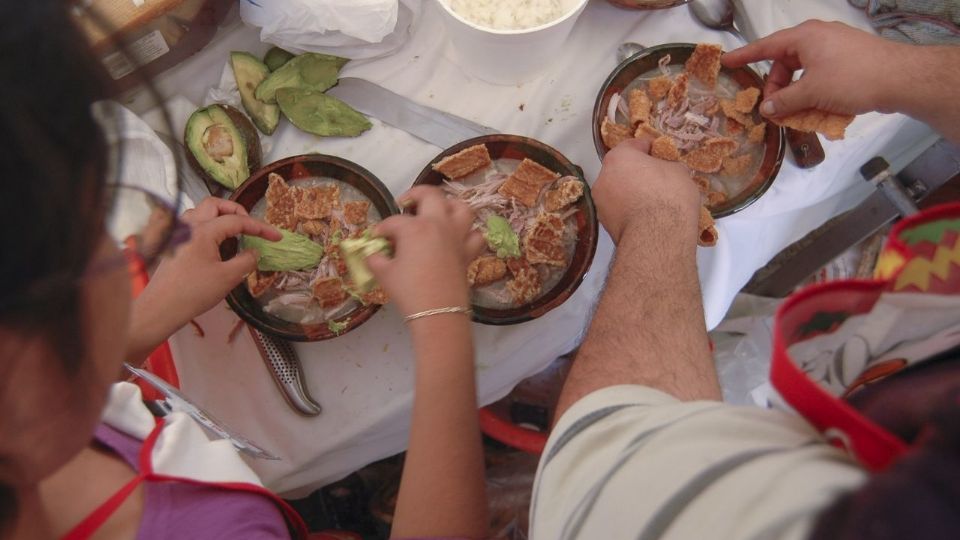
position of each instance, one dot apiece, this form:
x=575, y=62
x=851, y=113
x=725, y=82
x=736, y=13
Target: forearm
x=649, y=326
x=924, y=86
x=442, y=492
x=151, y=323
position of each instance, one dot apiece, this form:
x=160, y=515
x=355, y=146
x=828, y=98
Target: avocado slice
x=320, y=114
x=313, y=71
x=223, y=145
x=250, y=72
x=276, y=57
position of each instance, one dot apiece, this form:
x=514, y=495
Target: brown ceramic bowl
x=517, y=147
x=251, y=191
x=646, y=61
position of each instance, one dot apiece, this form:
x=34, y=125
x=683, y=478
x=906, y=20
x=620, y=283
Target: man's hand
x=632, y=185
x=843, y=69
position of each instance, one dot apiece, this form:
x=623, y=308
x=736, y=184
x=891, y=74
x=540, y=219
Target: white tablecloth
x=364, y=379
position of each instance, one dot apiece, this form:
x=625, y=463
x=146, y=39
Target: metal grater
x=283, y=364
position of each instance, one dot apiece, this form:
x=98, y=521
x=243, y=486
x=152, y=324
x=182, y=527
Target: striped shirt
x=634, y=462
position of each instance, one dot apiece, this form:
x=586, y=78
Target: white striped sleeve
x=633, y=462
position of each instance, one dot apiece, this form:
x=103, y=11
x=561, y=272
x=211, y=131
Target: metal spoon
x=718, y=15
x=628, y=49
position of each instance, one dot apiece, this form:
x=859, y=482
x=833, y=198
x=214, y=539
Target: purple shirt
x=185, y=511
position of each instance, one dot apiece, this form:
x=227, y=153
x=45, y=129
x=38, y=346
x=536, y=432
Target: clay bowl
x=253, y=190
x=645, y=62
x=518, y=147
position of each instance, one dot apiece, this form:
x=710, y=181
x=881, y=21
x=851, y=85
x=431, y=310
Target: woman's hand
x=432, y=250
x=194, y=279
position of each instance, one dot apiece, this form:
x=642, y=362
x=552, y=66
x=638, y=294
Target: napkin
x=350, y=28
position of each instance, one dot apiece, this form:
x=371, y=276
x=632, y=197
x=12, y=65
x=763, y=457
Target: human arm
x=848, y=71
x=442, y=491
x=193, y=279
x=649, y=327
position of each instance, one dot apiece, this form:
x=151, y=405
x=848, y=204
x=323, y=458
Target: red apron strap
x=98, y=517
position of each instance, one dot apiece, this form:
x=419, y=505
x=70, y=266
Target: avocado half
x=223, y=146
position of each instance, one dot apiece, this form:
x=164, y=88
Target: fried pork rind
x=567, y=191
x=613, y=134
x=665, y=147
x=704, y=63
x=734, y=128
x=355, y=212
x=830, y=125
x=703, y=183
x=543, y=242
x=377, y=297
x=281, y=202
x=730, y=111
x=314, y=227
x=659, y=87
x=757, y=133
x=464, y=162
x=486, y=270
x=715, y=198
x=259, y=282
x=708, y=157
x=316, y=202
x=525, y=183
x=646, y=130
x=736, y=165
x=746, y=99
x=329, y=292
x=639, y=105
x=525, y=285
x=708, y=232
x=678, y=91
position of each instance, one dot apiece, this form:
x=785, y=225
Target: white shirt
x=634, y=462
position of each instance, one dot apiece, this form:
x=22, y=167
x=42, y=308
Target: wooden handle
x=806, y=148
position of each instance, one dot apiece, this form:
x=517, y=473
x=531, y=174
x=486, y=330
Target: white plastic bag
x=349, y=28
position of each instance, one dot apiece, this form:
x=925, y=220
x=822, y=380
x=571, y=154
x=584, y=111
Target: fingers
x=428, y=200
x=776, y=46
x=474, y=245
x=380, y=265
x=240, y=265
x=780, y=76
x=390, y=228
x=461, y=214
x=796, y=97
x=232, y=225
x=211, y=208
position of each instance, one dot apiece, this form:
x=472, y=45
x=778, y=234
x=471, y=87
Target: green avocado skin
x=320, y=114
x=276, y=58
x=312, y=71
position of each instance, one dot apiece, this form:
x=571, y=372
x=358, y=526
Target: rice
x=508, y=14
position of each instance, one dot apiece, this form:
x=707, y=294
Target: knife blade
x=437, y=127
x=178, y=402
x=806, y=147
x=933, y=168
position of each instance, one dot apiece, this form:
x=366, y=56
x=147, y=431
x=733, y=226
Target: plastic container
x=508, y=57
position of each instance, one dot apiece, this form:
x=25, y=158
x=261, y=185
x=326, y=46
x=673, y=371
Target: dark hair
x=918, y=496
x=53, y=161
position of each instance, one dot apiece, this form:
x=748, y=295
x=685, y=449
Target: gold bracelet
x=439, y=311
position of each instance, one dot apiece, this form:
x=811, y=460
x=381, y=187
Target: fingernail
x=767, y=108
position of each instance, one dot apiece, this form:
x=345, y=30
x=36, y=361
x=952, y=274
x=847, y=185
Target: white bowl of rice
x=508, y=41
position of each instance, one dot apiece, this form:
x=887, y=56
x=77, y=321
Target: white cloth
x=364, y=379
x=630, y=462
x=183, y=448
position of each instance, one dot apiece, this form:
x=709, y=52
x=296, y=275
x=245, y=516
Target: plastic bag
x=349, y=28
